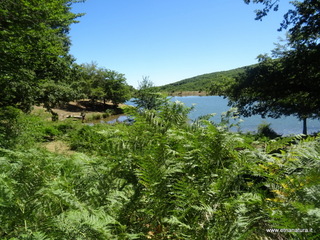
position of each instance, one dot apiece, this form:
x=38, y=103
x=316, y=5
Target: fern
x=161, y=178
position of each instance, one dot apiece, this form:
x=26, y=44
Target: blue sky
x=170, y=40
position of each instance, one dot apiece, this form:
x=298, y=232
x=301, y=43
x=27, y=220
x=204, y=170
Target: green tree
x=290, y=84
x=221, y=87
x=34, y=49
x=275, y=87
x=302, y=22
x=147, y=95
x=93, y=79
x=9, y=127
x=104, y=84
x=116, y=90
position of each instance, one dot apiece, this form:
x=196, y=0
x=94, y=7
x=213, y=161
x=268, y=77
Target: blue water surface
x=214, y=104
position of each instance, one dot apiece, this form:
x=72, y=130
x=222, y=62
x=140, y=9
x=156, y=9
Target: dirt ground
x=74, y=109
x=58, y=147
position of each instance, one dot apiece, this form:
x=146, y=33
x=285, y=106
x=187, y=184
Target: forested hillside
x=201, y=82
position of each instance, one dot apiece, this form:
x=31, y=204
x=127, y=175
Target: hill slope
x=201, y=82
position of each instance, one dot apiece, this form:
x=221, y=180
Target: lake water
x=215, y=104
x=204, y=105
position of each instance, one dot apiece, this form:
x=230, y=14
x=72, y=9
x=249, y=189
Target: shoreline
x=187, y=93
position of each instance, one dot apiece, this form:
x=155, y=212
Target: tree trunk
x=54, y=116
x=304, y=126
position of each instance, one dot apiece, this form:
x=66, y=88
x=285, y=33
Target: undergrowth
x=159, y=178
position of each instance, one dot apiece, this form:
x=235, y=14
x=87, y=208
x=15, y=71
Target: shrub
x=265, y=130
x=87, y=139
x=65, y=127
x=9, y=127
x=108, y=113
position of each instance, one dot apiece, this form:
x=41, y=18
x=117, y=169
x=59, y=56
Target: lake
x=215, y=104
x=204, y=105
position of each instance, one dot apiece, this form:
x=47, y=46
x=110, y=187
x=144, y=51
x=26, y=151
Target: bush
x=50, y=132
x=9, y=127
x=265, y=130
x=108, y=113
x=65, y=127
x=87, y=139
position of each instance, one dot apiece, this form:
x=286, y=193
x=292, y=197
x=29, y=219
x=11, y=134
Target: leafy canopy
x=34, y=51
x=147, y=95
x=288, y=85
x=103, y=84
x=302, y=22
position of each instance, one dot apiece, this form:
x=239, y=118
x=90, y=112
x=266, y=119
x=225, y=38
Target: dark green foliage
x=87, y=138
x=147, y=96
x=103, y=84
x=275, y=87
x=9, y=129
x=19, y=130
x=268, y=5
x=288, y=85
x=265, y=130
x=302, y=21
x=34, y=53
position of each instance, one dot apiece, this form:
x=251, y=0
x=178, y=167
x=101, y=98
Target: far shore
x=187, y=93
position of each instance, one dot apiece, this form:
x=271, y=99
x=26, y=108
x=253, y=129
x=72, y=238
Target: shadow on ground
x=89, y=106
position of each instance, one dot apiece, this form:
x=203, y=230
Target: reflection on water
x=109, y=120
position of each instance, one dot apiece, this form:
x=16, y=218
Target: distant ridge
x=201, y=82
